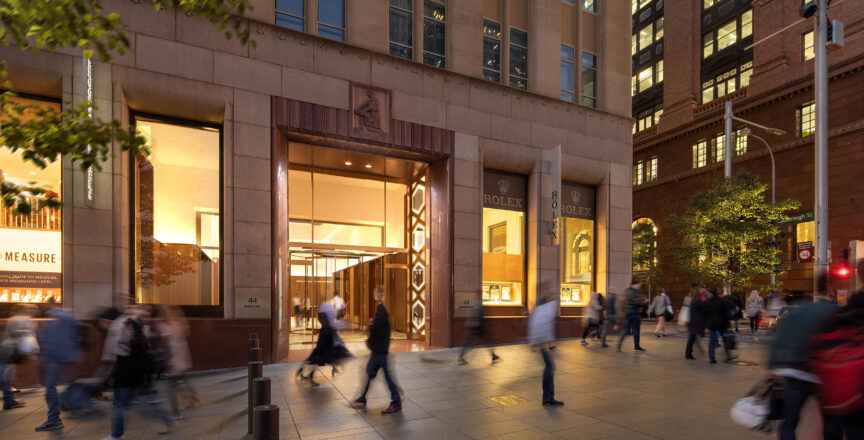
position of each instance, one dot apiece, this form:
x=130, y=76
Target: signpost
x=555, y=178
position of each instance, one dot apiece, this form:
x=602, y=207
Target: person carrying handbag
x=19, y=341
x=661, y=307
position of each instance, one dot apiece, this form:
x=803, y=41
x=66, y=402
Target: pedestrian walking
x=19, y=341
x=329, y=349
x=661, y=307
x=753, y=309
x=717, y=321
x=541, y=336
x=734, y=307
x=379, y=344
x=298, y=308
x=790, y=356
x=609, y=318
x=173, y=331
x=476, y=332
x=595, y=316
x=127, y=346
x=634, y=306
x=696, y=326
x=59, y=348
x=338, y=306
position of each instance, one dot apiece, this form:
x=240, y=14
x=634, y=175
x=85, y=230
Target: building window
x=719, y=148
x=31, y=267
x=728, y=34
x=658, y=72
x=518, y=59
x=700, y=154
x=644, y=119
x=808, y=50
x=707, y=45
x=331, y=19
x=747, y=24
x=577, y=243
x=708, y=3
x=740, y=144
x=401, y=28
x=645, y=78
x=745, y=72
x=658, y=29
x=176, y=211
x=433, y=33
x=806, y=119
x=646, y=36
x=491, y=51
x=290, y=13
x=589, y=80
x=634, y=45
x=658, y=111
x=589, y=5
x=634, y=83
x=727, y=82
x=639, y=172
x=503, y=238
x=568, y=73
x=651, y=169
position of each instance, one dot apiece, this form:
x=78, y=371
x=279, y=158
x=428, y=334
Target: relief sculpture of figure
x=370, y=115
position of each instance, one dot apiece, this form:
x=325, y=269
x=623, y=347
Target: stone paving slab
x=607, y=395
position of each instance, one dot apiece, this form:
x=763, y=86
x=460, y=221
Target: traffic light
x=842, y=272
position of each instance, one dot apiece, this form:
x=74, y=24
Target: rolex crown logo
x=503, y=185
x=575, y=196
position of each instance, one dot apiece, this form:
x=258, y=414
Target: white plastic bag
x=750, y=412
x=27, y=344
x=684, y=316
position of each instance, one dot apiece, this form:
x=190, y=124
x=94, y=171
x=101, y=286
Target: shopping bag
x=684, y=316
x=27, y=344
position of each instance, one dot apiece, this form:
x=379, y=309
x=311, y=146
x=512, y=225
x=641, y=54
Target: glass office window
x=658, y=72
x=331, y=19
x=719, y=148
x=658, y=29
x=707, y=45
x=740, y=144
x=401, y=28
x=744, y=74
x=651, y=169
x=747, y=24
x=176, y=209
x=727, y=35
x=290, y=13
x=646, y=78
x=568, y=73
x=589, y=80
x=518, y=59
x=646, y=36
x=433, y=33
x=589, y=5
x=503, y=238
x=708, y=3
x=634, y=44
x=700, y=154
x=491, y=51
x=805, y=117
x=808, y=51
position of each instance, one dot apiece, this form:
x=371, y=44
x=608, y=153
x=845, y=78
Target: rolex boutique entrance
x=356, y=221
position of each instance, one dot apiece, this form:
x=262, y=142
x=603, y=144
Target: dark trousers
x=474, y=337
x=50, y=376
x=754, y=323
x=692, y=339
x=715, y=336
x=592, y=324
x=548, y=375
x=634, y=324
x=797, y=392
x=378, y=361
x=834, y=426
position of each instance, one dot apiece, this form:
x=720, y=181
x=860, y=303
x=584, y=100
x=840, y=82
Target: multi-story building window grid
x=434, y=19
x=727, y=34
x=651, y=169
x=647, y=77
x=719, y=142
x=727, y=82
x=568, y=73
x=637, y=5
x=808, y=51
x=401, y=28
x=518, y=59
x=589, y=80
x=740, y=143
x=700, y=154
x=290, y=13
x=331, y=19
x=805, y=117
x=647, y=35
x=491, y=51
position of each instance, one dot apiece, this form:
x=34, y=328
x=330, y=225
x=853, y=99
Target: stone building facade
x=237, y=131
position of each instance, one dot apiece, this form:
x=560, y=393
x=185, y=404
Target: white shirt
x=118, y=339
x=541, y=323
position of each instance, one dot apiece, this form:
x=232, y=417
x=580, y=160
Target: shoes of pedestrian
x=462, y=361
x=113, y=438
x=392, y=409
x=639, y=349
x=605, y=345
x=358, y=404
x=731, y=357
x=657, y=334
x=618, y=349
x=50, y=426
x=689, y=358
x=14, y=404
x=167, y=429
x=584, y=343
x=713, y=361
x=552, y=402
x=496, y=358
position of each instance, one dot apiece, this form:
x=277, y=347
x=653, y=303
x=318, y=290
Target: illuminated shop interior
x=577, y=249
x=503, y=257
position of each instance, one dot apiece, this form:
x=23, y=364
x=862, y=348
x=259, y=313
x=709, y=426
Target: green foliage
x=44, y=135
x=645, y=253
x=726, y=233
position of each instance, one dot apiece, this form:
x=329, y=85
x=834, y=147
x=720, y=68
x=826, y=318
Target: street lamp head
x=808, y=9
x=746, y=131
x=776, y=131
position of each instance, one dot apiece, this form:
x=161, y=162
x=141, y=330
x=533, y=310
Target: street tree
x=726, y=235
x=44, y=135
x=645, y=253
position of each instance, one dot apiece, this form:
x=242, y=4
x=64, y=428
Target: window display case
x=503, y=239
x=577, y=243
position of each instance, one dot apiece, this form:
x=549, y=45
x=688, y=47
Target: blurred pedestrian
x=733, y=308
x=476, y=332
x=173, y=331
x=661, y=307
x=329, y=349
x=338, y=305
x=19, y=341
x=837, y=359
x=697, y=324
x=298, y=307
x=634, y=306
x=127, y=346
x=753, y=309
x=775, y=301
x=609, y=318
x=541, y=336
x=717, y=321
x=595, y=316
x=59, y=347
x=379, y=344
x=789, y=357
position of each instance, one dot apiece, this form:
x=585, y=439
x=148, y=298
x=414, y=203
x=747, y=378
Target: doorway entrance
x=356, y=222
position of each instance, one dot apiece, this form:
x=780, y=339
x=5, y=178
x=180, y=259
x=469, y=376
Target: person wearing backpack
x=790, y=355
x=837, y=359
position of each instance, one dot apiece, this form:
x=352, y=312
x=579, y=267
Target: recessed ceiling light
x=348, y=163
x=368, y=165
x=32, y=173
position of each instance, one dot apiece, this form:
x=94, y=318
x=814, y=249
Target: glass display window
x=503, y=239
x=577, y=243
x=30, y=245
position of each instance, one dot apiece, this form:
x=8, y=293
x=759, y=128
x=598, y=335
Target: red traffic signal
x=842, y=272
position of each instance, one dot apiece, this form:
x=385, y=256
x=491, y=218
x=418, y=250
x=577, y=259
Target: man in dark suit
x=379, y=344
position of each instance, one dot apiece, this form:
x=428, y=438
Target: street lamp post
x=748, y=132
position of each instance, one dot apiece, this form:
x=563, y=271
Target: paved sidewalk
x=607, y=395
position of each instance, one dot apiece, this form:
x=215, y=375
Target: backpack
x=837, y=357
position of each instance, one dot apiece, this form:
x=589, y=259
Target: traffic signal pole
x=820, y=267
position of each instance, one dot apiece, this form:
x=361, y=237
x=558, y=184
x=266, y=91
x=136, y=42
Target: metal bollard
x=253, y=343
x=253, y=335
x=260, y=391
x=256, y=355
x=254, y=373
x=266, y=422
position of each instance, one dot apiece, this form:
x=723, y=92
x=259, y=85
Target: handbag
x=27, y=344
x=729, y=340
x=684, y=316
x=761, y=407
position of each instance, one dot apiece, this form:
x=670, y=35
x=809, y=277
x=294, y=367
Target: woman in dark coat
x=328, y=350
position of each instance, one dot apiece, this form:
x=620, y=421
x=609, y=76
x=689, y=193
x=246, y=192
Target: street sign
x=805, y=251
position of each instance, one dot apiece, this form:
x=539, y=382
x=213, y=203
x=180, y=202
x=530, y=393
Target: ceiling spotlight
x=32, y=173
x=348, y=163
x=368, y=165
